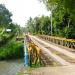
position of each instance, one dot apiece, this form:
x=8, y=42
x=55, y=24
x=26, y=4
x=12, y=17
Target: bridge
x=51, y=51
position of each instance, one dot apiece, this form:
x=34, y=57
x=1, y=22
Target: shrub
x=12, y=51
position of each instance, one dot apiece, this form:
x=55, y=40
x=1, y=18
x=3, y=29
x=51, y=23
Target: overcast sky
x=23, y=9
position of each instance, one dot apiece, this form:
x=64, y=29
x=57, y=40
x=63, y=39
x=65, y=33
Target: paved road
x=64, y=51
x=64, y=70
x=47, y=51
x=60, y=70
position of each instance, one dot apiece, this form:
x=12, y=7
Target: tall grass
x=12, y=50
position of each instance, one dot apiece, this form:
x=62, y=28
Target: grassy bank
x=12, y=50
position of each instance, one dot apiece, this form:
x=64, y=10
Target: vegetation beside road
x=63, y=19
x=9, y=47
x=11, y=50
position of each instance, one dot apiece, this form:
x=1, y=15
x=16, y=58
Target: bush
x=5, y=39
x=12, y=51
x=70, y=32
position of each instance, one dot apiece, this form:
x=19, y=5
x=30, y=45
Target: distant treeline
x=63, y=19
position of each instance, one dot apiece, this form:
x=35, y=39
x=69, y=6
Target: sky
x=23, y=9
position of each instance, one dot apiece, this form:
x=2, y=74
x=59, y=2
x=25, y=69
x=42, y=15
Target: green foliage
x=5, y=38
x=5, y=15
x=63, y=17
x=30, y=26
x=9, y=49
x=39, y=25
x=5, y=20
x=70, y=32
x=12, y=50
x=14, y=27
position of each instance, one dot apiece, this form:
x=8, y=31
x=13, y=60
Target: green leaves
x=5, y=15
x=12, y=50
x=63, y=17
x=39, y=25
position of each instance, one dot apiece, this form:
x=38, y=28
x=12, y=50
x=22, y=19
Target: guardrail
x=70, y=43
x=34, y=53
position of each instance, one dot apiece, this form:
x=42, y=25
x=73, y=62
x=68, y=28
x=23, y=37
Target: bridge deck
x=61, y=59
x=63, y=70
x=60, y=54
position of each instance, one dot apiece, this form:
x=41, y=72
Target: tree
x=5, y=16
x=63, y=16
x=39, y=25
x=30, y=25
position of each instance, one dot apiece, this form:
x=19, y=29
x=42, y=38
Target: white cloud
x=23, y=9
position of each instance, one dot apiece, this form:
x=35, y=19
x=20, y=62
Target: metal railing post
x=26, y=60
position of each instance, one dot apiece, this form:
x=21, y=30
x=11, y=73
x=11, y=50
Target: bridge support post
x=26, y=61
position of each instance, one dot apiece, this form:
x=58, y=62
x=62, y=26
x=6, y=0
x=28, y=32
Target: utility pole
x=51, y=24
x=53, y=8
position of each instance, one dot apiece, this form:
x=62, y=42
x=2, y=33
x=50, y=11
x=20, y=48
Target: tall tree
x=5, y=16
x=63, y=16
